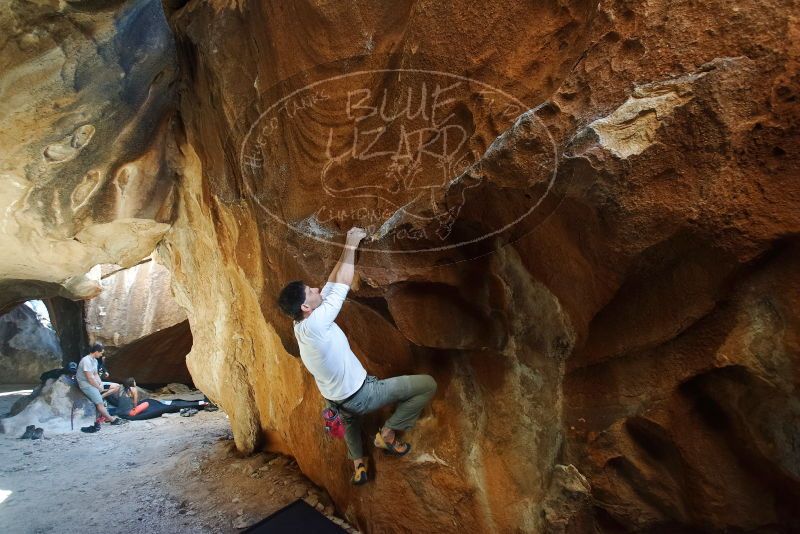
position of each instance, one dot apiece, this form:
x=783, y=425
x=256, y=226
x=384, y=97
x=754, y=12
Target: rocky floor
x=171, y=474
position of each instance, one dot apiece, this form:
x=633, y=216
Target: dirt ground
x=172, y=474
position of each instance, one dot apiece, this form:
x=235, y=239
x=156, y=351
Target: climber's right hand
x=355, y=235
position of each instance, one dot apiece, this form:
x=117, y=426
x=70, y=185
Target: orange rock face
x=583, y=222
x=602, y=279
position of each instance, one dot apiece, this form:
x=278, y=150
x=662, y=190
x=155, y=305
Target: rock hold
x=69, y=148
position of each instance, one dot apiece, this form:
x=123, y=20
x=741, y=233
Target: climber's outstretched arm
x=344, y=269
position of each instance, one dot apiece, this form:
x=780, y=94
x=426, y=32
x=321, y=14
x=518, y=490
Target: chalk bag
x=334, y=426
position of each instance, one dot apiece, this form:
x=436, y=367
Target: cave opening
x=145, y=333
x=28, y=343
x=42, y=314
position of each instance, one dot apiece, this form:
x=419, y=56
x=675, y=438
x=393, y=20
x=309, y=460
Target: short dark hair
x=128, y=383
x=291, y=298
x=97, y=347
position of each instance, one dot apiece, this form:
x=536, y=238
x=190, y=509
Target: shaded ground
x=171, y=474
x=9, y=393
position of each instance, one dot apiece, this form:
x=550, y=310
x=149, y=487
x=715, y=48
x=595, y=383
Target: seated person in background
x=128, y=399
x=91, y=386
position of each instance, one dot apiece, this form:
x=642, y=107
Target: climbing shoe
x=29, y=431
x=395, y=448
x=38, y=433
x=91, y=429
x=360, y=476
x=118, y=421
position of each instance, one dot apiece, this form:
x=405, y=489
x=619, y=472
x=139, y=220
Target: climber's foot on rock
x=360, y=475
x=390, y=444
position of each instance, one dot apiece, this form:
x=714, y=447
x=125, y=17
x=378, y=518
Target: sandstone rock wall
x=56, y=406
x=135, y=302
x=622, y=357
x=86, y=92
x=640, y=324
x=145, y=332
x=27, y=347
x=156, y=359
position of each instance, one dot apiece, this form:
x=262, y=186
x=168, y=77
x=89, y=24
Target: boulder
x=173, y=389
x=156, y=359
x=57, y=406
x=144, y=331
x=133, y=304
x=652, y=171
x=28, y=348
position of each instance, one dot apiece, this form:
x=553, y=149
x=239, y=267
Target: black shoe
x=91, y=429
x=37, y=434
x=97, y=426
x=118, y=421
x=29, y=430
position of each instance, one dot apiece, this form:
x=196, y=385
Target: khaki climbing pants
x=410, y=392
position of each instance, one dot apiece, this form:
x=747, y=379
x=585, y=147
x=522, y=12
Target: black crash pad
x=296, y=518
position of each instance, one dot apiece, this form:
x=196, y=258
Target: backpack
x=334, y=425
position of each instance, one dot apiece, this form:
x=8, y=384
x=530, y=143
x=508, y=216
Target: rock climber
x=340, y=377
x=90, y=384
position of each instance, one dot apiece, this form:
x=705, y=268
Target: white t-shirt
x=324, y=348
x=87, y=363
